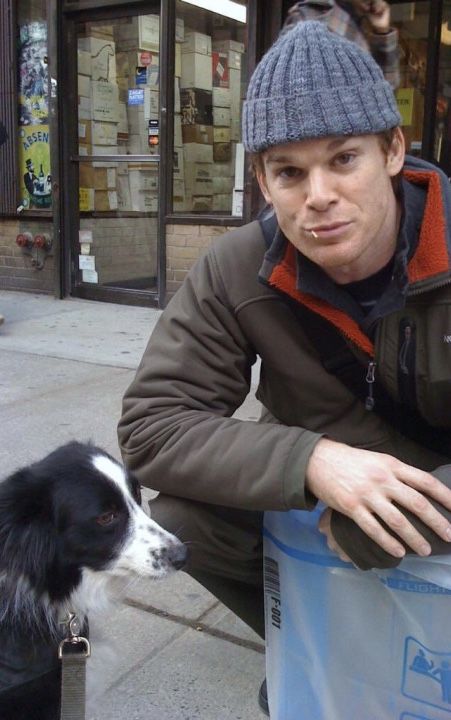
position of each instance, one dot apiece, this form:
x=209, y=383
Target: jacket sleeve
x=176, y=432
x=367, y=554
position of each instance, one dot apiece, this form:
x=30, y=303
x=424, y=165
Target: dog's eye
x=106, y=518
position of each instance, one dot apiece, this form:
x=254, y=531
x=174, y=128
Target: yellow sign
x=405, y=99
x=86, y=199
x=34, y=163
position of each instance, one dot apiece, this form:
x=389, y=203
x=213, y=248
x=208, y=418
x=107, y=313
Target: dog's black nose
x=178, y=556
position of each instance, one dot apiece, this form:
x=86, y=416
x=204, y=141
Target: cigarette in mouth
x=312, y=232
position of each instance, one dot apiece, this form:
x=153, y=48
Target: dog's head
x=77, y=512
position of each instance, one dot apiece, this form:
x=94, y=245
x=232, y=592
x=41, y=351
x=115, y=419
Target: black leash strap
x=73, y=652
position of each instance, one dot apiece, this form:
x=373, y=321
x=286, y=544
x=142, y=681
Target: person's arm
x=176, y=432
x=383, y=496
x=381, y=37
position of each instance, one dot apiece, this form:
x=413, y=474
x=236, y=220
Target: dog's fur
x=72, y=532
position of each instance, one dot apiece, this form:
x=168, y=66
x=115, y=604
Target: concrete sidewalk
x=179, y=654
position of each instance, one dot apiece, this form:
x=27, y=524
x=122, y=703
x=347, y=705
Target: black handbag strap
x=338, y=359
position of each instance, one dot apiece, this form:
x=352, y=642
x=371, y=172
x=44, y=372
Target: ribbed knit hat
x=313, y=83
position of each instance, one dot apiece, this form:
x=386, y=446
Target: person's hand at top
x=377, y=12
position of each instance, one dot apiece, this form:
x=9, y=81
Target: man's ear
x=261, y=179
x=396, y=153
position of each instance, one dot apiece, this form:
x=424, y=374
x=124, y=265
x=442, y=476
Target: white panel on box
x=84, y=85
x=103, y=57
x=196, y=71
x=221, y=97
x=84, y=62
x=179, y=30
x=199, y=171
x=198, y=152
x=149, y=32
x=87, y=262
x=105, y=101
x=85, y=236
x=104, y=133
x=89, y=276
x=196, y=42
x=228, y=46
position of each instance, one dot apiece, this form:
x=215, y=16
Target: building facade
x=123, y=157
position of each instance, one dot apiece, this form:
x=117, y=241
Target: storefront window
x=33, y=111
x=210, y=68
x=442, y=150
x=118, y=146
x=412, y=21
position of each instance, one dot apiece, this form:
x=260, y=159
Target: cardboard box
x=144, y=201
x=179, y=162
x=84, y=62
x=84, y=108
x=221, y=135
x=143, y=180
x=220, y=69
x=197, y=152
x=178, y=140
x=105, y=150
x=234, y=60
x=196, y=42
x=228, y=46
x=84, y=86
x=177, y=105
x=224, y=169
x=222, y=202
x=84, y=132
x=149, y=32
x=105, y=101
x=124, y=200
x=178, y=60
x=104, y=133
x=178, y=187
x=179, y=30
x=122, y=127
x=84, y=150
x=196, y=107
x=196, y=71
x=221, y=116
x=222, y=185
x=221, y=97
x=199, y=171
x=197, y=134
x=199, y=187
x=200, y=203
x=105, y=200
x=97, y=178
x=222, y=151
x=103, y=57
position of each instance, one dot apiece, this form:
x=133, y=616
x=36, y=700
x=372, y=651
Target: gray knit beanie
x=313, y=83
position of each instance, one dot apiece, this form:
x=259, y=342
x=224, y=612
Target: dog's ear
x=27, y=532
x=135, y=487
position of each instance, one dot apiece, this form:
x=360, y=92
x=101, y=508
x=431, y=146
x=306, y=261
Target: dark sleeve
x=367, y=554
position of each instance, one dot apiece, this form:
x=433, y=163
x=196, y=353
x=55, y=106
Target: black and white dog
x=72, y=533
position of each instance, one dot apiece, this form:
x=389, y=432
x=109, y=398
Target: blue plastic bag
x=343, y=644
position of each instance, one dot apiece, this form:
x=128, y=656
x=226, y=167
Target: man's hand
x=364, y=485
x=377, y=12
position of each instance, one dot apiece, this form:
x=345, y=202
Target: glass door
x=115, y=251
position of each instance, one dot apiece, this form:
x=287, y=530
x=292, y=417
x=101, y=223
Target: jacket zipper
x=406, y=362
x=370, y=380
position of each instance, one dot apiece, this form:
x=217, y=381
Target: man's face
x=334, y=201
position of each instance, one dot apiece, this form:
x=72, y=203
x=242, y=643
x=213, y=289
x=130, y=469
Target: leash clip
x=73, y=637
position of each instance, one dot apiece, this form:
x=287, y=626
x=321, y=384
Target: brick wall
x=17, y=270
x=184, y=245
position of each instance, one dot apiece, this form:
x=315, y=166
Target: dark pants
x=226, y=551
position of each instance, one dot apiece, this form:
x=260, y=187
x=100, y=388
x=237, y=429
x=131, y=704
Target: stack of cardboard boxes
x=211, y=105
x=98, y=118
